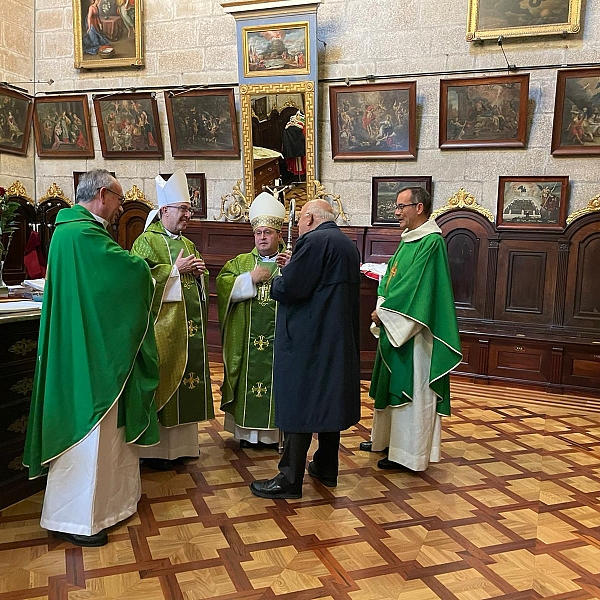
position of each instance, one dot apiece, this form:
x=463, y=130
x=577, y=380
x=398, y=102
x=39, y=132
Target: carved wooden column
x=492, y=270
x=561, y=284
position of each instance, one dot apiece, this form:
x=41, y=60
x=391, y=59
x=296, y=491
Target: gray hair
x=90, y=183
x=321, y=210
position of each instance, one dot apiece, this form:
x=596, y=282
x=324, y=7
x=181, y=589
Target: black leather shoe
x=273, y=488
x=312, y=471
x=161, y=464
x=247, y=444
x=366, y=446
x=98, y=539
x=386, y=463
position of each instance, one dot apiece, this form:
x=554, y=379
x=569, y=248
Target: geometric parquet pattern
x=512, y=511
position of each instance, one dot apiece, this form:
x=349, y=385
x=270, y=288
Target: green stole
x=417, y=285
x=184, y=393
x=248, y=334
x=96, y=344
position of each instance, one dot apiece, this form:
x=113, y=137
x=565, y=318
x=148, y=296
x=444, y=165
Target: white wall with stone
x=194, y=42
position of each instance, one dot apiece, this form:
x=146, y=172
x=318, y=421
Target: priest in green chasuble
x=97, y=369
x=247, y=316
x=184, y=395
x=419, y=342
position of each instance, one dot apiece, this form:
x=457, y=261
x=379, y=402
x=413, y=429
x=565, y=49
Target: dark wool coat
x=317, y=343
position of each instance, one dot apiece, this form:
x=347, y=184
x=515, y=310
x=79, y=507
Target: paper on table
x=35, y=284
x=21, y=305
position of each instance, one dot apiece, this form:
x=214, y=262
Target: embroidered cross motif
x=393, y=271
x=191, y=381
x=261, y=343
x=263, y=293
x=259, y=389
x=192, y=329
x=188, y=281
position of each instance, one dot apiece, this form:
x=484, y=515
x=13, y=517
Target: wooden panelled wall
x=528, y=302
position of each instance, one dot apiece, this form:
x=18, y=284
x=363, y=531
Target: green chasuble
x=247, y=334
x=96, y=344
x=184, y=393
x=417, y=285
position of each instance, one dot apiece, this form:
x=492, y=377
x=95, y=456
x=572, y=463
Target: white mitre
x=266, y=211
x=171, y=191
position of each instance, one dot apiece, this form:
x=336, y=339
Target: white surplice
x=95, y=484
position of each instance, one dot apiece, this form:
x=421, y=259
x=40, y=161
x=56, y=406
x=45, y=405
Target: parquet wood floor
x=512, y=511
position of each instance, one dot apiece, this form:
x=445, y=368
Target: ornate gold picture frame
x=489, y=19
x=107, y=33
x=276, y=49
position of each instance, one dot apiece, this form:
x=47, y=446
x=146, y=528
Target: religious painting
x=197, y=189
x=107, y=33
x=15, y=121
x=62, y=129
x=532, y=202
x=77, y=175
x=385, y=191
x=377, y=121
x=277, y=49
x=202, y=123
x=576, y=129
x=490, y=19
x=128, y=125
x=484, y=112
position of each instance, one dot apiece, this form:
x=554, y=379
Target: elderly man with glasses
x=419, y=343
x=96, y=372
x=184, y=395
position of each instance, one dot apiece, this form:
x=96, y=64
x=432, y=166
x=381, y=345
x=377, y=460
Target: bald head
x=314, y=213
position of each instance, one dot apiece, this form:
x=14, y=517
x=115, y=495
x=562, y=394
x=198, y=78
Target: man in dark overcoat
x=317, y=351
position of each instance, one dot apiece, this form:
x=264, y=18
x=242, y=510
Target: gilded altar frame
x=301, y=87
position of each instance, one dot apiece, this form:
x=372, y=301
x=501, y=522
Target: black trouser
x=295, y=449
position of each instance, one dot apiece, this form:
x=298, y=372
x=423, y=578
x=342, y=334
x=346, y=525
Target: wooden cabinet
x=520, y=360
x=266, y=171
x=18, y=350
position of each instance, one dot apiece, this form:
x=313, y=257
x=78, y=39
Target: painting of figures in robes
x=202, y=123
x=374, y=121
x=107, y=33
x=128, y=126
x=62, y=127
x=15, y=121
x=576, y=129
x=488, y=112
x=532, y=202
x=278, y=49
x=489, y=19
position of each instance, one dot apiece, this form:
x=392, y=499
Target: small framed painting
x=15, y=121
x=202, y=123
x=197, y=190
x=532, y=202
x=374, y=121
x=128, y=125
x=276, y=49
x=576, y=129
x=76, y=177
x=484, y=112
x=62, y=129
x=385, y=191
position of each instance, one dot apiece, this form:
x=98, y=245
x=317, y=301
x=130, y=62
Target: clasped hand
x=190, y=264
x=283, y=258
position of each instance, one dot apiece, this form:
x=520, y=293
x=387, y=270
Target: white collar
x=173, y=236
x=100, y=220
x=427, y=228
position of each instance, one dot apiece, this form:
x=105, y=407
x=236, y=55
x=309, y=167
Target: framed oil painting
x=128, y=125
x=484, y=112
x=376, y=121
x=576, y=129
x=489, y=19
x=532, y=202
x=107, y=33
x=76, y=176
x=15, y=121
x=62, y=129
x=197, y=190
x=276, y=49
x=385, y=191
x=202, y=123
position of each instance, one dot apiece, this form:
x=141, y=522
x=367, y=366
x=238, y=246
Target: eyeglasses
x=182, y=209
x=400, y=207
x=120, y=198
